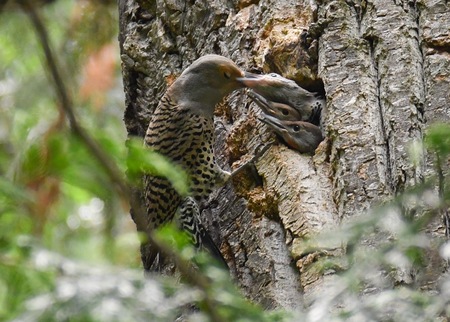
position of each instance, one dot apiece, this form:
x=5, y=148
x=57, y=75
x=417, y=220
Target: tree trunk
x=384, y=66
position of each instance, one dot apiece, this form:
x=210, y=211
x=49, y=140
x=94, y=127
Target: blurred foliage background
x=53, y=193
x=68, y=249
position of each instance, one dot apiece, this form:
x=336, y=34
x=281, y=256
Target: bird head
x=278, y=110
x=301, y=136
x=278, y=89
x=206, y=82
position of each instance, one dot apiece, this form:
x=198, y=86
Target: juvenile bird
x=278, y=89
x=182, y=129
x=280, y=111
x=298, y=135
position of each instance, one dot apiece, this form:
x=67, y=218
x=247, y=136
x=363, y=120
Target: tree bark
x=384, y=67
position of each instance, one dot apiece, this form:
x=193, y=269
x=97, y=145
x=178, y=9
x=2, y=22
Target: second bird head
x=278, y=89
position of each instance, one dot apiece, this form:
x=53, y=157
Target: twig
x=66, y=102
x=113, y=172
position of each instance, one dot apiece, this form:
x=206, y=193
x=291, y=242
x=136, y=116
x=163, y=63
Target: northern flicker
x=278, y=89
x=280, y=111
x=189, y=221
x=298, y=135
x=285, y=120
x=182, y=129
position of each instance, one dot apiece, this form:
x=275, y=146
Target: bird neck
x=197, y=99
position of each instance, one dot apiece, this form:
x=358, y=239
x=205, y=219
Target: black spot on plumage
x=186, y=138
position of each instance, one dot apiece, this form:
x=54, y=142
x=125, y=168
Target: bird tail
x=190, y=222
x=211, y=247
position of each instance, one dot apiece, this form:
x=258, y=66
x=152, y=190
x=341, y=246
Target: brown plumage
x=182, y=129
x=278, y=89
x=280, y=111
x=298, y=135
x=291, y=111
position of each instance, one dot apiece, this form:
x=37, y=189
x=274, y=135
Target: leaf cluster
x=65, y=233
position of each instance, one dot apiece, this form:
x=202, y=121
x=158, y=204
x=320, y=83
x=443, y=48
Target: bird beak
x=251, y=80
x=276, y=124
x=261, y=102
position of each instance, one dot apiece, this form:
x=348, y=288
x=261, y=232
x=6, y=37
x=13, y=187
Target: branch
x=66, y=102
x=113, y=172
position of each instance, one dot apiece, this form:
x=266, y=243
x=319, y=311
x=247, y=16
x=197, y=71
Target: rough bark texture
x=384, y=66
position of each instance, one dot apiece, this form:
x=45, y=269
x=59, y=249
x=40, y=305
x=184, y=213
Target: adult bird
x=182, y=129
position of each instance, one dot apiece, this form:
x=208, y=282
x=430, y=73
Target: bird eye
x=296, y=128
x=227, y=75
x=274, y=75
x=285, y=112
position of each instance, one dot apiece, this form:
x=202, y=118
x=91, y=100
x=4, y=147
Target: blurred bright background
x=53, y=194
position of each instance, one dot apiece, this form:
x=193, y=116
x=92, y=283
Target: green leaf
x=10, y=192
x=438, y=138
x=169, y=234
x=143, y=160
